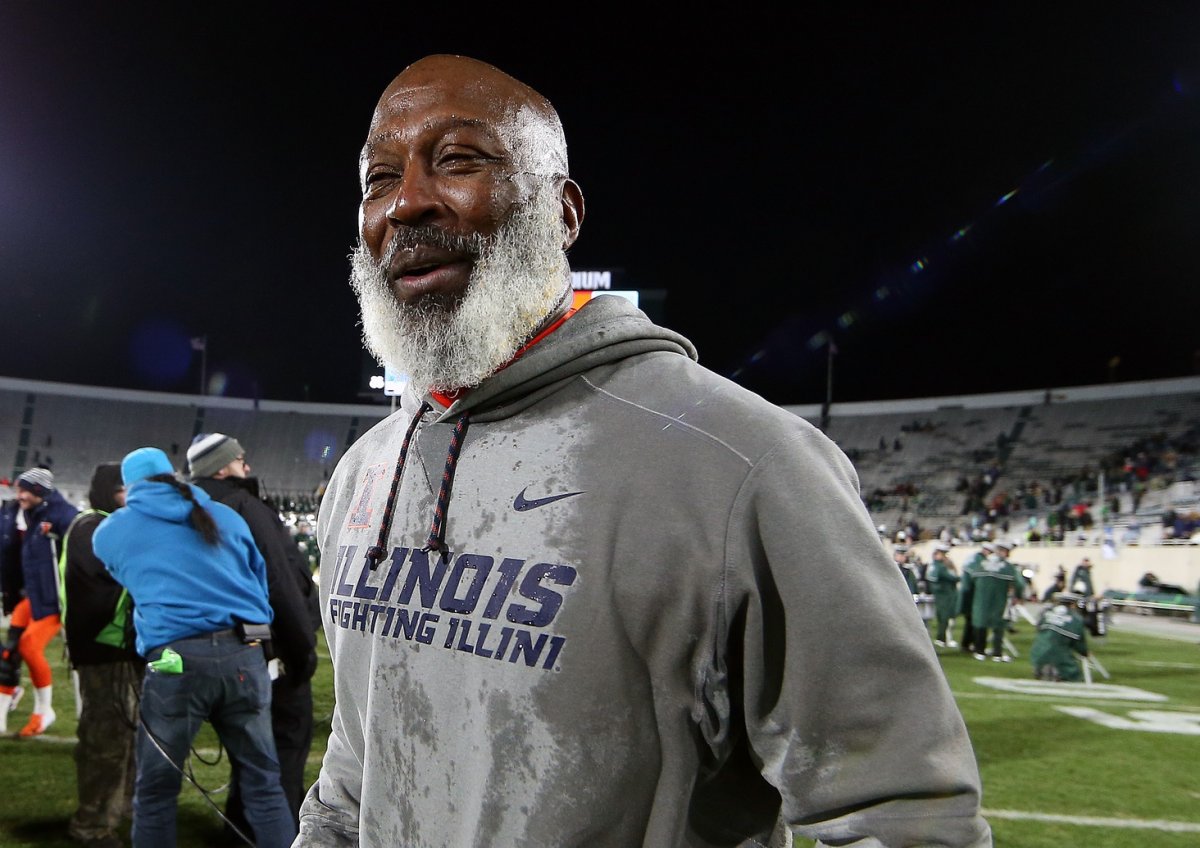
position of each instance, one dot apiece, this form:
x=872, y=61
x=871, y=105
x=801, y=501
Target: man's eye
x=377, y=182
x=462, y=160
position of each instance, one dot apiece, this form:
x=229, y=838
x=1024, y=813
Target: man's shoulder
x=109, y=531
x=383, y=434
x=61, y=510
x=676, y=387
x=226, y=514
x=84, y=523
x=234, y=496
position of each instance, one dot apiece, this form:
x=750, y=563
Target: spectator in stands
x=1061, y=638
x=217, y=464
x=1081, y=579
x=199, y=587
x=995, y=585
x=97, y=619
x=966, y=596
x=655, y=575
x=46, y=515
x=943, y=579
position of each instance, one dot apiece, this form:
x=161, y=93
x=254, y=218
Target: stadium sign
x=591, y=280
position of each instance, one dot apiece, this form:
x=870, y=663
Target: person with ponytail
x=196, y=577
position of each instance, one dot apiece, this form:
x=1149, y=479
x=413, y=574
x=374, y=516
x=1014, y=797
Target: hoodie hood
x=605, y=329
x=163, y=501
x=106, y=480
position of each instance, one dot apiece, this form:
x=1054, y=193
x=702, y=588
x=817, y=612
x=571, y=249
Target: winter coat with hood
x=292, y=593
x=91, y=592
x=181, y=585
x=45, y=526
x=621, y=602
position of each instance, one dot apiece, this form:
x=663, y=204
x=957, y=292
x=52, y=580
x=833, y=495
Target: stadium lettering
x=591, y=280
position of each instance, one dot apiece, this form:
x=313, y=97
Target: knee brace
x=10, y=658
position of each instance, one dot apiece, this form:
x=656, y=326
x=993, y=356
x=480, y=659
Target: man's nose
x=416, y=198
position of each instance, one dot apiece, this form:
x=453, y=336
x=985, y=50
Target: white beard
x=521, y=275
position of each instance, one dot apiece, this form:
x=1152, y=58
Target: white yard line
x=44, y=739
x=1096, y=821
x=1151, y=664
x=207, y=753
x=1058, y=699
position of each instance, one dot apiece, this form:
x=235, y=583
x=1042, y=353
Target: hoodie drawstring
x=437, y=529
x=376, y=553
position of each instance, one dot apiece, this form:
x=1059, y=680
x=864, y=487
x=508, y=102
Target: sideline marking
x=1105, y=691
x=1152, y=721
x=1152, y=664
x=314, y=756
x=40, y=739
x=1096, y=821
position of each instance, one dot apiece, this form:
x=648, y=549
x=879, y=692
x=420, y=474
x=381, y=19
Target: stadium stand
x=972, y=465
x=293, y=447
x=917, y=459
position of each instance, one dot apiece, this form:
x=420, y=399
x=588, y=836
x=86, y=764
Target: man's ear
x=572, y=211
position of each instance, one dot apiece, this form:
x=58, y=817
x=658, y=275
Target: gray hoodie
x=621, y=601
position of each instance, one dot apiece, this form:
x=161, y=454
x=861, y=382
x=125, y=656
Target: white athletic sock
x=5, y=703
x=41, y=701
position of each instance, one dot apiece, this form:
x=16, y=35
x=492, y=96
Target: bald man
x=579, y=590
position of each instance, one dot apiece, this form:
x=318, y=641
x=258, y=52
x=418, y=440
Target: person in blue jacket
x=196, y=579
x=29, y=553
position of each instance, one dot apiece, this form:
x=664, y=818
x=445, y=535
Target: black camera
x=251, y=633
x=256, y=634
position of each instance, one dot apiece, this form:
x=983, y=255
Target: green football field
x=1114, y=764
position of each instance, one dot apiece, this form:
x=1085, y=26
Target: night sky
x=170, y=171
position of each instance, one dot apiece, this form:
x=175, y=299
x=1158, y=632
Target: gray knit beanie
x=39, y=481
x=210, y=452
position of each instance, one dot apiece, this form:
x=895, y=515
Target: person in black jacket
x=217, y=464
x=98, y=620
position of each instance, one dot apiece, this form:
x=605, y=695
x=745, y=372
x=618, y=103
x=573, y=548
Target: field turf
x=1059, y=768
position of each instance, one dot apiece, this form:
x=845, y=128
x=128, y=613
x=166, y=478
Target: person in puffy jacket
x=42, y=521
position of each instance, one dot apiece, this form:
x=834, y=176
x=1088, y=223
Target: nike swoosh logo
x=520, y=504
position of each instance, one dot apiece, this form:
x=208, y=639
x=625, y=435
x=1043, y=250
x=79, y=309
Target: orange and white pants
x=33, y=642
